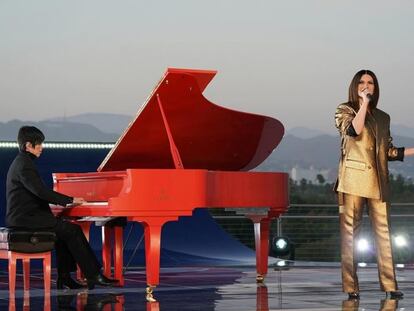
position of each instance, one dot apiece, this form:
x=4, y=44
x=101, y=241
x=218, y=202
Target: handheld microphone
x=369, y=96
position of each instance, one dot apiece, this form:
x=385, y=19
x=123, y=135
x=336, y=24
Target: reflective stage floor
x=218, y=288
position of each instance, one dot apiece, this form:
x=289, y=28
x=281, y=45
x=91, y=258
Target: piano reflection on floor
x=73, y=300
x=84, y=301
x=262, y=301
x=182, y=152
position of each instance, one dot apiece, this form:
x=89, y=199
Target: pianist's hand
x=78, y=201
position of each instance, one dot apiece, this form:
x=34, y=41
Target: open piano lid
x=206, y=135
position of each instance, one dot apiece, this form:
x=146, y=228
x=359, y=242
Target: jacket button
x=370, y=148
x=369, y=167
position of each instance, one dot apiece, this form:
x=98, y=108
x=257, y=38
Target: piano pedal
x=149, y=290
x=259, y=278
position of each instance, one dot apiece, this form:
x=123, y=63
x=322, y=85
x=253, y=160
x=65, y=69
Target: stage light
x=8, y=144
x=363, y=245
x=281, y=246
x=402, y=250
x=77, y=146
x=400, y=241
x=58, y=145
x=281, y=263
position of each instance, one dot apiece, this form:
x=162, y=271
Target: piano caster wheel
x=149, y=290
x=259, y=278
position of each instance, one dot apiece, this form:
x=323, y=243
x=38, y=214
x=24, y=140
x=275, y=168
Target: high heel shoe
x=395, y=294
x=66, y=282
x=353, y=295
x=101, y=280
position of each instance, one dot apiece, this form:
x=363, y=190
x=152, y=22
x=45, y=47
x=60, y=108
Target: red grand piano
x=182, y=152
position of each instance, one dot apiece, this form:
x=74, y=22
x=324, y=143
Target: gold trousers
x=350, y=217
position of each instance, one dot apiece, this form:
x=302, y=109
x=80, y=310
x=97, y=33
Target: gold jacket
x=363, y=165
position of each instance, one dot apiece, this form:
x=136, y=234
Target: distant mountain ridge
x=58, y=131
x=305, y=133
x=88, y=127
x=105, y=122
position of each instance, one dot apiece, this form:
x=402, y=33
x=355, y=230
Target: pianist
x=28, y=208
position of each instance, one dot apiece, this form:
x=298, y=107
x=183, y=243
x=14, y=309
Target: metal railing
x=314, y=231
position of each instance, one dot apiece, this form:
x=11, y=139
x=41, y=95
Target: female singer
x=366, y=148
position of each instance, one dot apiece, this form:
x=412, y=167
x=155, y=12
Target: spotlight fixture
x=400, y=241
x=363, y=245
x=281, y=246
x=58, y=145
x=281, y=263
x=402, y=250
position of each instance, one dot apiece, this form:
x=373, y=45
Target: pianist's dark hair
x=353, y=98
x=29, y=134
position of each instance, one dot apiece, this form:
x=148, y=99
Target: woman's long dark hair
x=353, y=97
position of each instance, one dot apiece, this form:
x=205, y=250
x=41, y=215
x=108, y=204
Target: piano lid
x=206, y=136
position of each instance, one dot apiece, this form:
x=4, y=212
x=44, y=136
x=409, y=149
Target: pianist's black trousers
x=72, y=248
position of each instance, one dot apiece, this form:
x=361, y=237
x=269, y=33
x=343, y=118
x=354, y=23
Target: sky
x=291, y=60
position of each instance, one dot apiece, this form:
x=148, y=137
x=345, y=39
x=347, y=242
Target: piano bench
x=26, y=245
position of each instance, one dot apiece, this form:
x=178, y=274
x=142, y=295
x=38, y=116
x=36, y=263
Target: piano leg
x=152, y=232
x=261, y=234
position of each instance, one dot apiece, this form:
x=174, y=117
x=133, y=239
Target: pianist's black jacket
x=28, y=197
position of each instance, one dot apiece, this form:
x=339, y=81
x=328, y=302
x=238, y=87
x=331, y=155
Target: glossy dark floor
x=219, y=288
